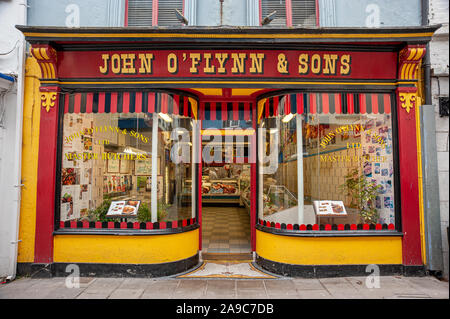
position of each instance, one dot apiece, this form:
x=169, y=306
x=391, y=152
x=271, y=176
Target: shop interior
x=226, y=186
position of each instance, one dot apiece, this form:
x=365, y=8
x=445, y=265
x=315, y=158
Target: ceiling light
x=165, y=117
x=287, y=118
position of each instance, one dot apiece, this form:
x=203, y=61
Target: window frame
x=78, y=227
x=397, y=231
x=289, y=13
x=155, y=13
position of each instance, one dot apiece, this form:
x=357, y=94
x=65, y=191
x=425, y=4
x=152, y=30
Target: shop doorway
x=226, y=187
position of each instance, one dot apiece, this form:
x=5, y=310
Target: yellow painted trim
x=230, y=36
x=420, y=180
x=261, y=109
x=111, y=249
x=329, y=250
x=225, y=82
x=194, y=107
x=30, y=147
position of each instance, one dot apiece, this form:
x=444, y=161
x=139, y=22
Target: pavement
x=390, y=287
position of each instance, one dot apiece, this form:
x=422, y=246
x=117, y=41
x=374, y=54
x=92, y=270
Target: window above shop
x=297, y=13
x=142, y=13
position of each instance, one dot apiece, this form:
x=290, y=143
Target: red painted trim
x=155, y=13
x=164, y=103
x=409, y=182
x=89, y=101
x=253, y=181
x=300, y=104
x=125, y=22
x=151, y=102
x=374, y=98
x=101, y=102
x=66, y=104
x=350, y=104
x=126, y=102
x=338, y=104
x=288, y=13
x=362, y=103
x=387, y=103
x=46, y=179
x=113, y=102
x=317, y=14
x=176, y=104
x=200, y=187
x=260, y=12
x=325, y=103
x=138, y=107
x=77, y=103
x=276, y=103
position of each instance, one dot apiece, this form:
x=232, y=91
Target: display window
x=327, y=162
x=127, y=161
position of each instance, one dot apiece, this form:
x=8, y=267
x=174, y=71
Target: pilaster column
x=409, y=64
x=48, y=138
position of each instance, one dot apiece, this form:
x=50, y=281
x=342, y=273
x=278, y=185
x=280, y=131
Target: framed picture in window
x=143, y=167
x=113, y=165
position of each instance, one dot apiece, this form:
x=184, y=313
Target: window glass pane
x=132, y=167
x=345, y=172
x=105, y=159
x=175, y=183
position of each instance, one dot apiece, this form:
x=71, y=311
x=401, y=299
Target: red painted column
x=406, y=102
x=253, y=177
x=46, y=175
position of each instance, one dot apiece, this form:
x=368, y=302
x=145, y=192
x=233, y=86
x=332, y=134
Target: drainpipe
x=18, y=145
x=431, y=201
x=426, y=62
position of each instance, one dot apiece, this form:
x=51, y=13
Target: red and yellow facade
x=219, y=74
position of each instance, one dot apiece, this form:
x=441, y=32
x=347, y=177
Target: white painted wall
x=439, y=47
x=11, y=63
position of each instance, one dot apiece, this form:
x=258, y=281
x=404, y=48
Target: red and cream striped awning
x=129, y=102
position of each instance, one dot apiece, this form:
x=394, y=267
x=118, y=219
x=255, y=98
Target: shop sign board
x=195, y=64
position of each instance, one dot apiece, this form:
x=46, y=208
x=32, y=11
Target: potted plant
x=363, y=194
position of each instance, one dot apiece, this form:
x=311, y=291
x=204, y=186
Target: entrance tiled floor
x=225, y=230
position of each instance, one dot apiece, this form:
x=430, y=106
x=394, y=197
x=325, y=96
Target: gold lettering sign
x=231, y=63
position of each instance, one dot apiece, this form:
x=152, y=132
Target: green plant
x=363, y=194
x=99, y=214
x=145, y=214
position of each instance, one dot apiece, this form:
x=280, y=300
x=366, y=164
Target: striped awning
x=224, y=111
x=129, y=102
x=325, y=103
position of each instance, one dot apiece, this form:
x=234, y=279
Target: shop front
x=295, y=146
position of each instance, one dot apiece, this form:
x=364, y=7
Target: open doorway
x=226, y=181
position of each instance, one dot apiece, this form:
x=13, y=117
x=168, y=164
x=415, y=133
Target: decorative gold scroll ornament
x=407, y=100
x=48, y=100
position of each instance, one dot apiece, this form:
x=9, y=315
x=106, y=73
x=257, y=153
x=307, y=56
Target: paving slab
x=124, y=293
x=160, y=289
x=314, y=294
x=104, y=285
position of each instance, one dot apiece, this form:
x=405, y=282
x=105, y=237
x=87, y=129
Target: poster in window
x=124, y=166
x=143, y=167
x=113, y=165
